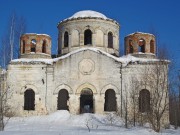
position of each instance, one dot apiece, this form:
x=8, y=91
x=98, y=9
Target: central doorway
x=86, y=101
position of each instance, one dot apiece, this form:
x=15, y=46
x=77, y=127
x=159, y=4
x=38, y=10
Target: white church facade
x=88, y=76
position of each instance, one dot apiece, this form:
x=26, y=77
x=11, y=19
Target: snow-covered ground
x=63, y=123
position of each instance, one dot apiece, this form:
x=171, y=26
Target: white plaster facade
x=78, y=67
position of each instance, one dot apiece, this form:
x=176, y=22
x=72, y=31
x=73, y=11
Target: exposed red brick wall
x=138, y=39
x=39, y=42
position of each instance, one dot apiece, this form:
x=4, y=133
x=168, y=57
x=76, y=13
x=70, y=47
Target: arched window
x=66, y=39
x=87, y=37
x=110, y=40
x=131, y=49
x=63, y=97
x=152, y=46
x=44, y=46
x=144, y=101
x=23, y=46
x=110, y=100
x=33, y=45
x=29, y=99
x=141, y=47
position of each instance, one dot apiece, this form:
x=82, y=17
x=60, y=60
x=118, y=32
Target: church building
x=88, y=75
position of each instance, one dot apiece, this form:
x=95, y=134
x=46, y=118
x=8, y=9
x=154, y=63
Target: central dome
x=86, y=29
x=88, y=13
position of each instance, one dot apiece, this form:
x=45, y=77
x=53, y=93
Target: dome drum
x=88, y=29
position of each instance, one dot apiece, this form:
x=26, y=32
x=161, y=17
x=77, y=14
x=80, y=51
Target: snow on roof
x=125, y=60
x=139, y=33
x=33, y=61
x=88, y=13
x=36, y=34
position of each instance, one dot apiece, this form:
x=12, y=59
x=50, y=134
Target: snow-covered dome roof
x=88, y=13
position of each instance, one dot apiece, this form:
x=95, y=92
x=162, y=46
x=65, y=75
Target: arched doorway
x=110, y=100
x=29, y=100
x=63, y=97
x=86, y=101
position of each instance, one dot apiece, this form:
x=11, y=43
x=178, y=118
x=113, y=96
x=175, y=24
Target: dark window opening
x=87, y=37
x=144, y=101
x=63, y=97
x=33, y=45
x=33, y=49
x=110, y=100
x=23, y=47
x=86, y=101
x=110, y=40
x=66, y=39
x=152, y=46
x=141, y=47
x=131, y=49
x=29, y=99
x=44, y=46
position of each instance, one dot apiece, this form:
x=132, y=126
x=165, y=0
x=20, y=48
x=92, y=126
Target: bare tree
x=125, y=106
x=174, y=109
x=156, y=78
x=134, y=100
x=4, y=108
x=175, y=102
x=10, y=40
x=9, y=50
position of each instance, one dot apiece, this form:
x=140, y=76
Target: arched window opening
x=86, y=101
x=66, y=39
x=29, y=100
x=44, y=46
x=33, y=45
x=110, y=40
x=87, y=37
x=131, y=49
x=23, y=46
x=144, y=101
x=141, y=47
x=63, y=97
x=110, y=100
x=152, y=46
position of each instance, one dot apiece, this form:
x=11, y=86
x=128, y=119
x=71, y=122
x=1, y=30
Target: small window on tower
x=131, y=49
x=152, y=46
x=66, y=39
x=87, y=37
x=110, y=40
x=23, y=46
x=33, y=45
x=141, y=47
x=44, y=46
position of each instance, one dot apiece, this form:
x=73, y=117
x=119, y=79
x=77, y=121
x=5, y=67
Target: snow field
x=64, y=123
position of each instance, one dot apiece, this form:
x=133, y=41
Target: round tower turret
x=88, y=29
x=140, y=44
x=35, y=46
